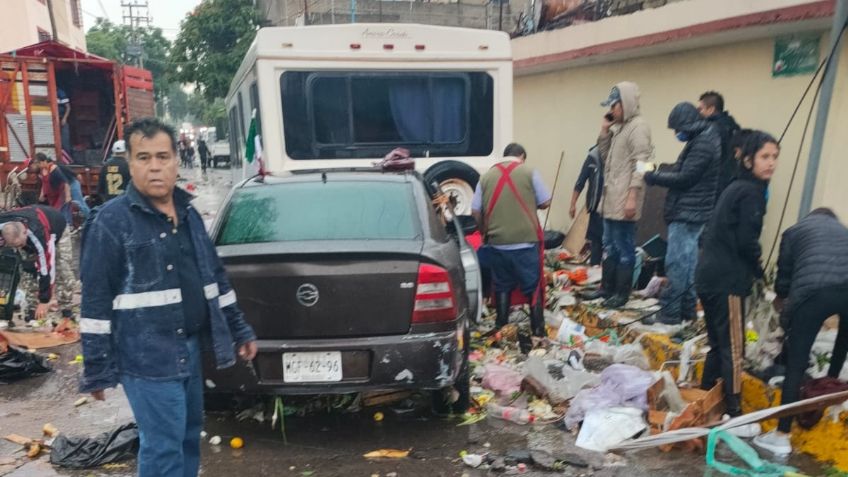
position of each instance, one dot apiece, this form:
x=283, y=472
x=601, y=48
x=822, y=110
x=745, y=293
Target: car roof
x=334, y=174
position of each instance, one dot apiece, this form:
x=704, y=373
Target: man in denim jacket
x=153, y=290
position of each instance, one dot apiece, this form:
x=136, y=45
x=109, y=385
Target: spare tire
x=456, y=179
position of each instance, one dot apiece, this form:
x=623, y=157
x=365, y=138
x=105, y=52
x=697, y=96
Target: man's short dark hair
x=149, y=127
x=824, y=211
x=713, y=99
x=515, y=150
x=41, y=157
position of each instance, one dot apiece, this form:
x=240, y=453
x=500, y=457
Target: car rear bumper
x=413, y=361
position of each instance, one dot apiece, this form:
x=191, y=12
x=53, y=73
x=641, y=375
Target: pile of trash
x=602, y=374
x=81, y=452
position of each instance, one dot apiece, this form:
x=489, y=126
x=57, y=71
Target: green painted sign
x=795, y=55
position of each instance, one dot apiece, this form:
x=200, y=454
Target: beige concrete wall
x=559, y=111
x=21, y=20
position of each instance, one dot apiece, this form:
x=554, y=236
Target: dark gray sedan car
x=351, y=281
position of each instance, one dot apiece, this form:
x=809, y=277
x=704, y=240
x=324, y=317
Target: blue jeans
x=169, y=415
x=619, y=242
x=76, y=195
x=516, y=269
x=679, y=299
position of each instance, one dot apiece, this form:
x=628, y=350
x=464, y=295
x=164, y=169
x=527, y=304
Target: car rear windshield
x=355, y=114
x=333, y=210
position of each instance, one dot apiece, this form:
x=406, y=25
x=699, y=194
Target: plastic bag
x=16, y=364
x=560, y=390
x=631, y=354
x=571, y=332
x=621, y=385
x=86, y=452
x=604, y=428
x=502, y=380
x=758, y=467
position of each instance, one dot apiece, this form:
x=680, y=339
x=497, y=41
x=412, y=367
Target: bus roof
x=375, y=42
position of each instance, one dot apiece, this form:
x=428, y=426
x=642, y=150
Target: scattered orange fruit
x=236, y=443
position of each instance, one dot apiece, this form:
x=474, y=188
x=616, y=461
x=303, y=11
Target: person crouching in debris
x=39, y=230
x=154, y=288
x=593, y=173
x=624, y=141
x=504, y=204
x=811, y=286
x=691, y=184
x=729, y=263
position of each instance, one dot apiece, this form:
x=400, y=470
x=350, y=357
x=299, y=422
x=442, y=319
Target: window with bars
x=44, y=35
x=76, y=13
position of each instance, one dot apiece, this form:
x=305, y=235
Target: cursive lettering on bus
x=389, y=33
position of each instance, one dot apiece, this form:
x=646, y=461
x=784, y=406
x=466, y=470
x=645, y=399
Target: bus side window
x=255, y=106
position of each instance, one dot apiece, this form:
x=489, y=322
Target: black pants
x=805, y=322
x=725, y=318
x=595, y=236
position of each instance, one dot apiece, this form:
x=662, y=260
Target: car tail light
x=434, y=300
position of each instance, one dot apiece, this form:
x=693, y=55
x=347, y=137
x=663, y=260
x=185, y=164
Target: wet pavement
x=320, y=444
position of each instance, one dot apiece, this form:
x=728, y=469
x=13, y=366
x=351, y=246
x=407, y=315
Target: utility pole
x=52, y=20
x=353, y=11
x=840, y=17
x=136, y=15
x=306, y=12
x=500, y=15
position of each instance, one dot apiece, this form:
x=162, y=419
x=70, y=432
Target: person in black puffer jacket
x=711, y=107
x=729, y=262
x=812, y=279
x=691, y=184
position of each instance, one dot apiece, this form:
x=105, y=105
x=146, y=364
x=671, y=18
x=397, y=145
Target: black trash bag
x=86, y=452
x=16, y=364
x=553, y=239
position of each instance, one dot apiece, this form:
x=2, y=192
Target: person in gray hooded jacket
x=692, y=182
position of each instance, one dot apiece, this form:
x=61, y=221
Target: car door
x=471, y=266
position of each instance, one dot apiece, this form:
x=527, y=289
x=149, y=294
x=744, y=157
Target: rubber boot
x=607, y=287
x=623, y=287
x=537, y=317
x=502, y=306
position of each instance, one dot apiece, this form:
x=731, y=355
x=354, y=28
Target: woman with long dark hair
x=729, y=263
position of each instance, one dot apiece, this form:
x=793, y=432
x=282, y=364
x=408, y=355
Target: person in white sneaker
x=812, y=280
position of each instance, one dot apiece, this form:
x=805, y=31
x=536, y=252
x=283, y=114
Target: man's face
x=153, y=165
x=617, y=112
x=706, y=111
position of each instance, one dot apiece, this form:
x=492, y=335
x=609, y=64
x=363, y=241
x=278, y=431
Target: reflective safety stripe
x=227, y=299
x=95, y=327
x=133, y=301
x=211, y=291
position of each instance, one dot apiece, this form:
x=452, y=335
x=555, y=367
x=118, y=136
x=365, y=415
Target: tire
x=458, y=180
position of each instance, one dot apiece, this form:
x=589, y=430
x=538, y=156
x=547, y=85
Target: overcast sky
x=166, y=14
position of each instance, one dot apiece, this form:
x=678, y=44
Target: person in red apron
x=504, y=204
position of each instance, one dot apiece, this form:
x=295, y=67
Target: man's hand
x=247, y=351
x=606, y=124
x=572, y=211
x=41, y=311
x=99, y=395
x=630, y=207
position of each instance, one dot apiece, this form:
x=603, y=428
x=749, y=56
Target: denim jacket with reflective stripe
x=132, y=315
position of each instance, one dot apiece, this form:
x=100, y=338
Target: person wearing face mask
x=691, y=183
x=729, y=263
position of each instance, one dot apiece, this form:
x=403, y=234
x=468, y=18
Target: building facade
x=467, y=13
x=675, y=53
x=26, y=22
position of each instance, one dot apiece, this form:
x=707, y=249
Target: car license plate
x=320, y=367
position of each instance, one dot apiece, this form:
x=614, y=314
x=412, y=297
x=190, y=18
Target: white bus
x=346, y=95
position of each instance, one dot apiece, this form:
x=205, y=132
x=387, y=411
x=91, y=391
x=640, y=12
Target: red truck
x=104, y=96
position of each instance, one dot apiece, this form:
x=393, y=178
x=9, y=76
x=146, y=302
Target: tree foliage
x=211, y=44
x=112, y=41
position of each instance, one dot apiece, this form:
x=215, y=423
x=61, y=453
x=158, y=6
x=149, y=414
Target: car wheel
x=456, y=179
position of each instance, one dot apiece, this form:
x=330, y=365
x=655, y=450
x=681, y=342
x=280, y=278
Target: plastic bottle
x=512, y=414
